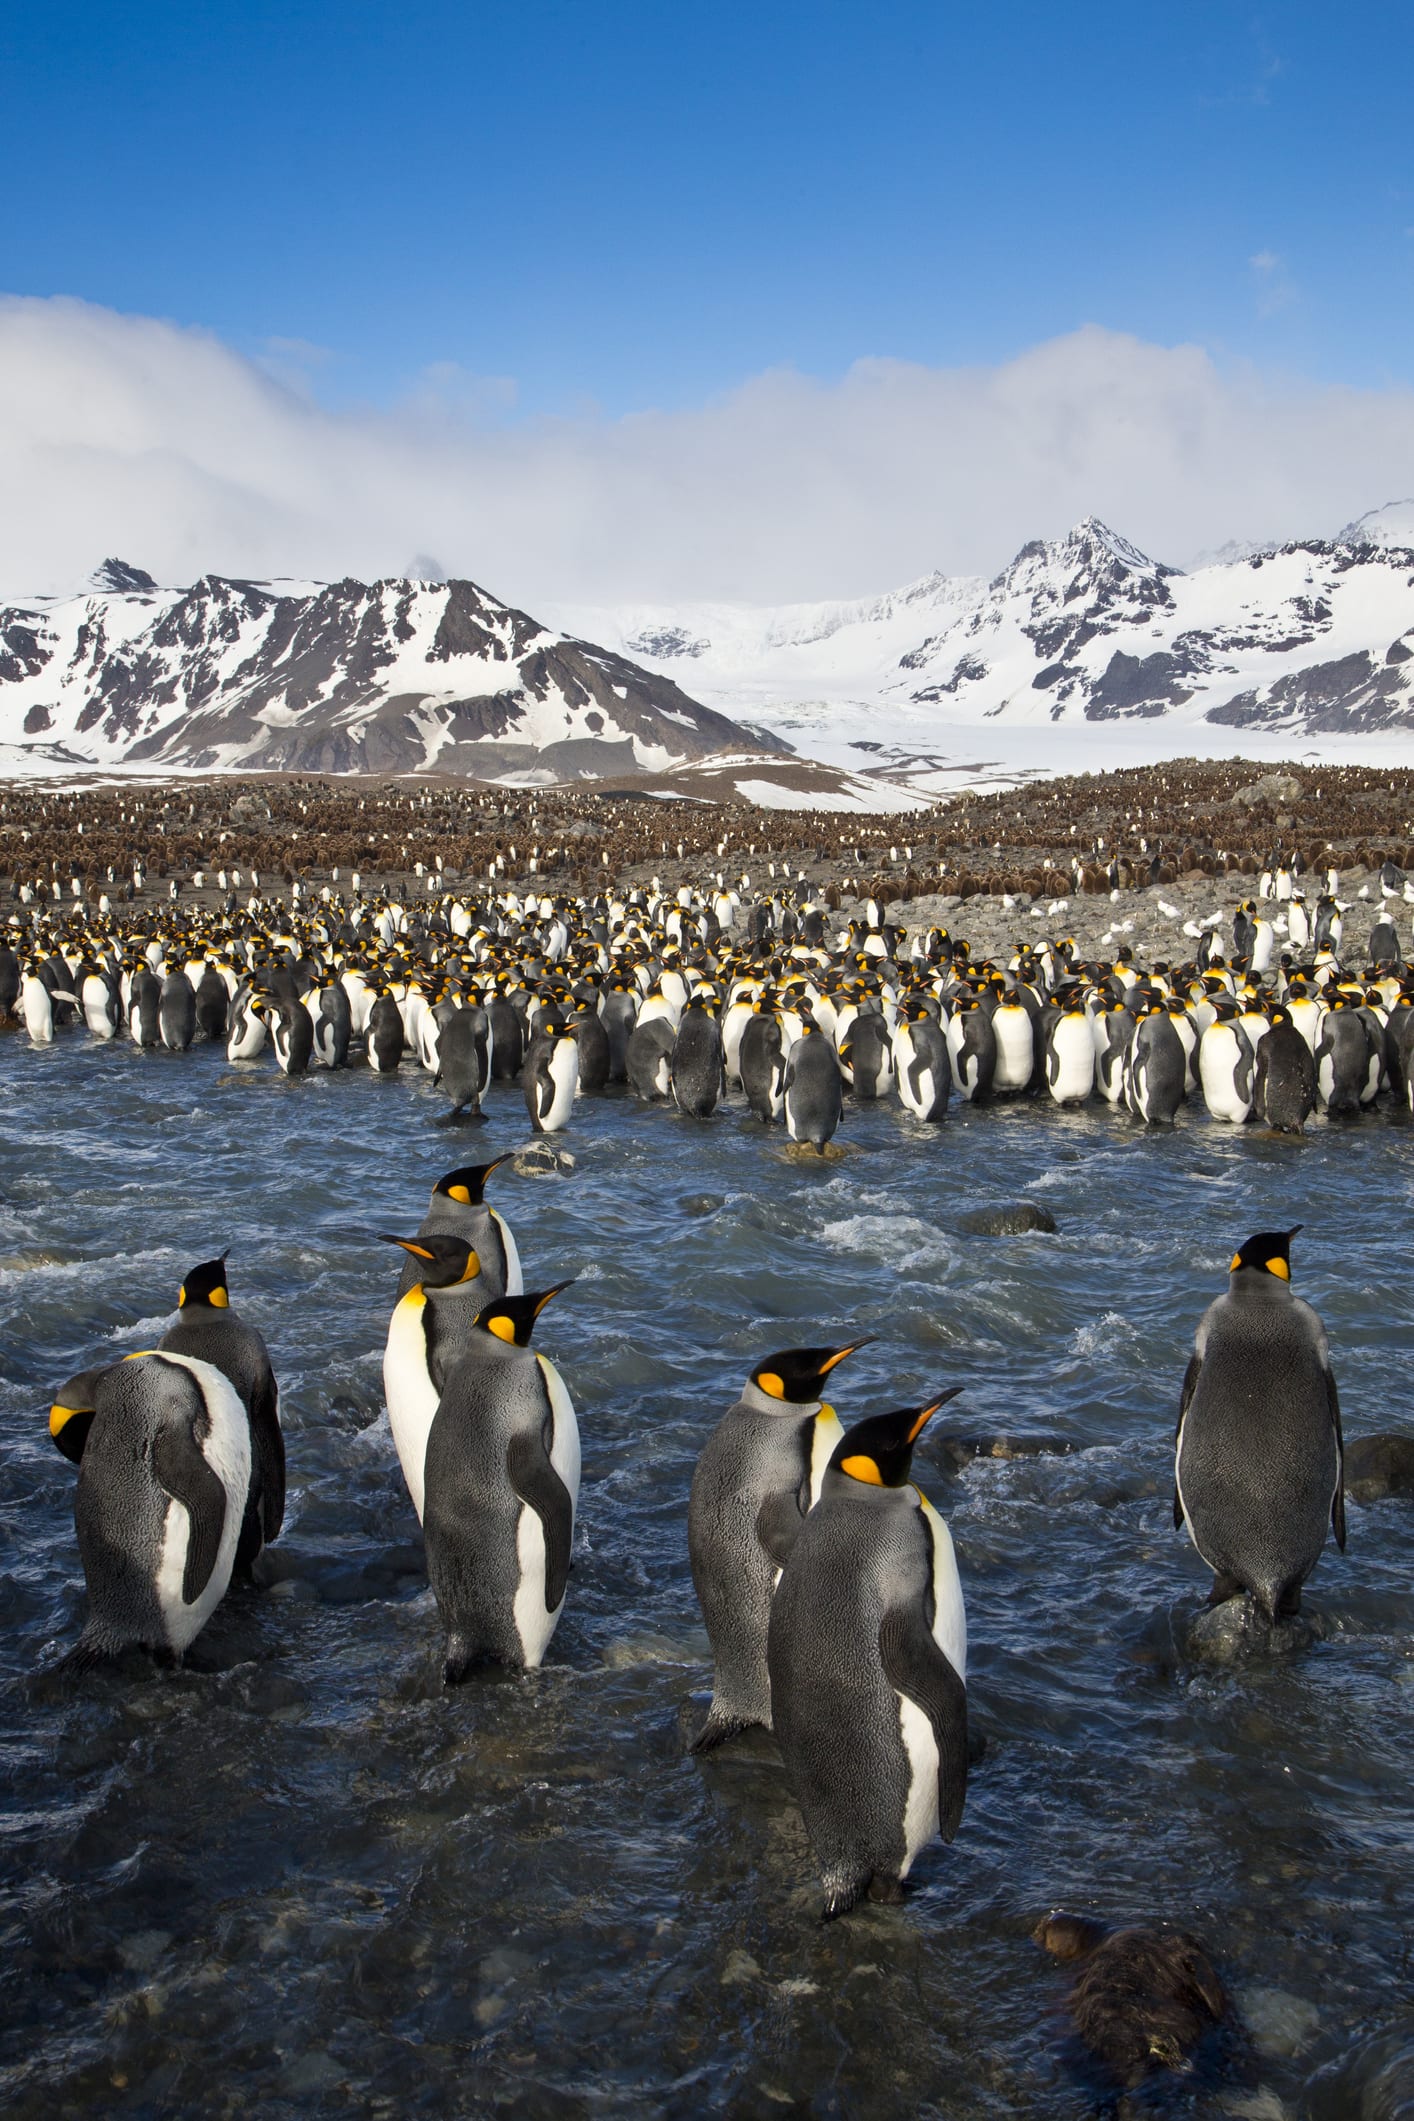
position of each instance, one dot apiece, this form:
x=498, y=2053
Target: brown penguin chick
x=1142, y=1999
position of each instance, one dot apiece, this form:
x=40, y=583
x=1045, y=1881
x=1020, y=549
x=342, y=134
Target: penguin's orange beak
x=840, y=1353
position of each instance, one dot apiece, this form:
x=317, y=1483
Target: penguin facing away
x=812, y=1089
x=209, y=1330
x=1258, y=1452
x=758, y=1475
x=867, y=1654
x=428, y=1333
x=162, y=1444
x=502, y=1481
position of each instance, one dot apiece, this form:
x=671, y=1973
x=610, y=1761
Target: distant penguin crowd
x=826, y=1578
x=705, y=992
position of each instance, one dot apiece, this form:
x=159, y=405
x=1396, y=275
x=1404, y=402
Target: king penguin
x=812, y=1088
x=428, y=1333
x=209, y=1330
x=163, y=1450
x=1259, y=1458
x=502, y=1481
x=458, y=1208
x=867, y=1653
x=759, y=1473
x=550, y=1077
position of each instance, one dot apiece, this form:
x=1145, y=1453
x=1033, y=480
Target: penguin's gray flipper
x=190, y=1481
x=269, y=1445
x=1190, y=1386
x=540, y=1486
x=778, y=1523
x=915, y=1666
x=1338, y=1500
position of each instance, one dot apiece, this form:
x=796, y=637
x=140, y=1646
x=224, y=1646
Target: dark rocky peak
x=121, y=578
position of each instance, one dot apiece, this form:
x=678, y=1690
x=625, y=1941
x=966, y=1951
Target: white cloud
x=133, y=436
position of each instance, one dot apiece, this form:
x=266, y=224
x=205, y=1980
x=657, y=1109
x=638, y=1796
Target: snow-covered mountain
x=388, y=677
x=1083, y=651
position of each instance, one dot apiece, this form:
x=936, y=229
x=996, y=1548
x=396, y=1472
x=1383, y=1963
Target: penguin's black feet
x=1289, y=1603
x=1225, y=1587
x=716, y=1731
x=840, y=1897
x=886, y=1890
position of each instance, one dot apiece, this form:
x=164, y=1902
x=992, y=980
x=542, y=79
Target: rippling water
x=299, y=1876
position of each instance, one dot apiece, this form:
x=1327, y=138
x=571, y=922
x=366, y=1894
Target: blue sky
x=627, y=206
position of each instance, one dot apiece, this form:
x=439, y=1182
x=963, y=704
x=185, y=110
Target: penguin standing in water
x=921, y=1064
x=812, y=1089
x=1285, y=1088
x=696, y=1067
x=291, y=1034
x=972, y=1051
x=550, y=1077
x=759, y=1473
x=385, y=1036
x=1069, y=1046
x=463, y=1062
x=1156, y=1068
x=648, y=1059
x=333, y=1025
x=1259, y=1458
x=245, y=1037
x=502, y=1481
x=176, y=1011
x=162, y=1445
x=867, y=1654
x=458, y=1209
x=209, y=1331
x=428, y=1333
x=762, y=1062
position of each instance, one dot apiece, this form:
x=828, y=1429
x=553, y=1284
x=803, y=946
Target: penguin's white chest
x=1015, y=1048
x=562, y=1068
x=535, y=1623
x=920, y=1816
x=227, y=1452
x=1073, y=1057
x=38, y=1010
x=408, y=1390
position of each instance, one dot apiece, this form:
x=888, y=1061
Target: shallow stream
x=298, y=1876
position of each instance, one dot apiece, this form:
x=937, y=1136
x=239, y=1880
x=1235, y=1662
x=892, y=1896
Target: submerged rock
x=1226, y=1633
x=1377, y=1466
x=1009, y=1219
x=1375, y=2080
x=537, y=1159
x=960, y=1451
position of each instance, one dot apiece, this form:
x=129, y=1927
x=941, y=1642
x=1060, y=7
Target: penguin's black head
x=1267, y=1253
x=206, y=1284
x=71, y=1416
x=879, y=1450
x=512, y=1318
x=796, y=1375
x=466, y=1185
x=443, y=1262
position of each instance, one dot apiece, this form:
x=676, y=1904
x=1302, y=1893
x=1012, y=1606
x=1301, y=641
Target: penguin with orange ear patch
x=428, y=1333
x=1259, y=1458
x=502, y=1481
x=867, y=1653
x=458, y=1208
x=759, y=1473
x=207, y=1329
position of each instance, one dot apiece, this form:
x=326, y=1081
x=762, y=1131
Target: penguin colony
x=690, y=993
x=827, y=1579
